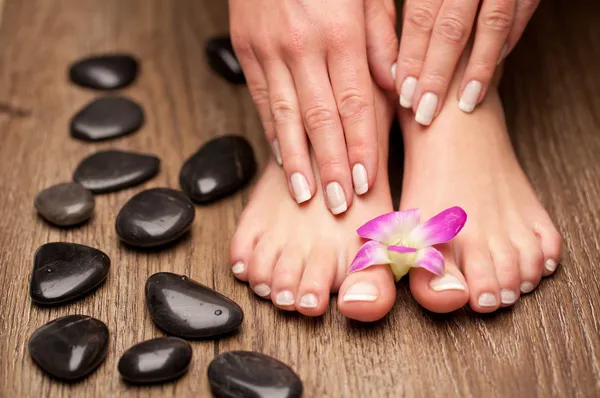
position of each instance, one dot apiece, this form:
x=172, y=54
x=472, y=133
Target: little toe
x=317, y=280
x=551, y=244
x=286, y=277
x=261, y=265
x=506, y=262
x=441, y=294
x=479, y=272
x=531, y=260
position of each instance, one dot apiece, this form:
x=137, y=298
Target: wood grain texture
x=548, y=345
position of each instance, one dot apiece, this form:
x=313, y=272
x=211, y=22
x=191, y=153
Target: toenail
x=336, y=198
x=300, y=187
x=550, y=265
x=507, y=296
x=487, y=300
x=237, y=268
x=284, y=297
x=359, y=177
x=361, y=291
x=309, y=300
x=446, y=282
x=262, y=290
x=277, y=151
x=527, y=287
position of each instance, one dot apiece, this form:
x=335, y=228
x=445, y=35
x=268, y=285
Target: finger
x=523, y=13
x=289, y=130
x=382, y=42
x=353, y=91
x=322, y=123
x=419, y=17
x=450, y=35
x=494, y=23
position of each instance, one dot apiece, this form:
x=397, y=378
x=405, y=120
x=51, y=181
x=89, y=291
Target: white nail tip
x=262, y=290
x=285, y=297
x=309, y=300
x=550, y=265
x=300, y=188
x=407, y=92
x=277, y=151
x=393, y=71
x=446, y=282
x=487, y=300
x=508, y=296
x=336, y=198
x=470, y=96
x=527, y=287
x=237, y=268
x=426, y=109
x=361, y=291
x=359, y=177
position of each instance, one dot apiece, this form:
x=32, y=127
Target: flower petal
x=430, y=259
x=402, y=249
x=371, y=253
x=440, y=228
x=390, y=228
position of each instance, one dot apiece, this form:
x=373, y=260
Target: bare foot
x=509, y=241
x=296, y=256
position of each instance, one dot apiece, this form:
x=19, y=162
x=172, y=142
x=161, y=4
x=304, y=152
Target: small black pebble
x=104, y=72
x=222, y=59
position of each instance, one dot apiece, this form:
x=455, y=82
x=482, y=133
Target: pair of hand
x=308, y=64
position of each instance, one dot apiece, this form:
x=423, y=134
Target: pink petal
x=402, y=249
x=390, y=228
x=440, y=228
x=430, y=259
x=371, y=253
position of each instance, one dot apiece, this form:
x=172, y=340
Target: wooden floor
x=548, y=345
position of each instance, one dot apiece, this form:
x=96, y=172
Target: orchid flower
x=398, y=239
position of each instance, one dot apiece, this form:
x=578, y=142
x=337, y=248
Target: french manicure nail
x=336, y=198
x=507, y=296
x=407, y=92
x=426, y=109
x=502, y=54
x=393, y=71
x=309, y=300
x=527, y=287
x=300, y=188
x=550, y=265
x=277, y=151
x=359, y=177
x=361, y=291
x=237, y=268
x=262, y=290
x=446, y=282
x=284, y=297
x=487, y=300
x=470, y=96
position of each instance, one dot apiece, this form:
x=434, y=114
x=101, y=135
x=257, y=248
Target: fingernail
x=336, y=198
x=407, y=92
x=502, y=54
x=300, y=188
x=487, y=300
x=527, y=287
x=262, y=290
x=277, y=151
x=284, y=297
x=393, y=70
x=426, y=109
x=309, y=300
x=550, y=265
x=446, y=282
x=359, y=177
x=361, y=291
x=470, y=96
x=507, y=296
x=237, y=268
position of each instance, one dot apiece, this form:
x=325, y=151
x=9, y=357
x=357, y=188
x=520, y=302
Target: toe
x=317, y=280
x=551, y=244
x=286, y=277
x=506, y=262
x=441, y=294
x=531, y=260
x=480, y=275
x=261, y=265
x=240, y=251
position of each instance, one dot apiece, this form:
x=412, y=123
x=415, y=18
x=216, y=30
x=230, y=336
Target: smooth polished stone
x=104, y=72
x=105, y=118
x=112, y=170
x=155, y=217
x=65, y=204
x=156, y=360
x=185, y=308
x=218, y=169
x=70, y=347
x=222, y=59
x=250, y=374
x=66, y=271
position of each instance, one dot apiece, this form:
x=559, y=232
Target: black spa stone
x=222, y=60
x=104, y=72
x=66, y=271
x=70, y=347
x=65, y=204
x=155, y=217
x=157, y=360
x=250, y=374
x=112, y=170
x=219, y=168
x=105, y=118
x=185, y=308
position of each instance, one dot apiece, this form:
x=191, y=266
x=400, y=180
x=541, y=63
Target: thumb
x=382, y=42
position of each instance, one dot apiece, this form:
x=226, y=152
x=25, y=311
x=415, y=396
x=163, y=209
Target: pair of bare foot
x=297, y=255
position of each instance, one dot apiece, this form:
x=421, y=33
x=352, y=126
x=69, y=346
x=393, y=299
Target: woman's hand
x=434, y=35
x=306, y=65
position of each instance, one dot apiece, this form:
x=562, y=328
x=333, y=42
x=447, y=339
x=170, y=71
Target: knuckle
x=259, y=94
x=352, y=104
x=359, y=148
x=451, y=29
x=282, y=110
x=421, y=18
x=241, y=45
x=332, y=166
x=294, y=44
x=484, y=68
x=499, y=19
x=318, y=117
x=339, y=34
x=412, y=62
x=434, y=79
